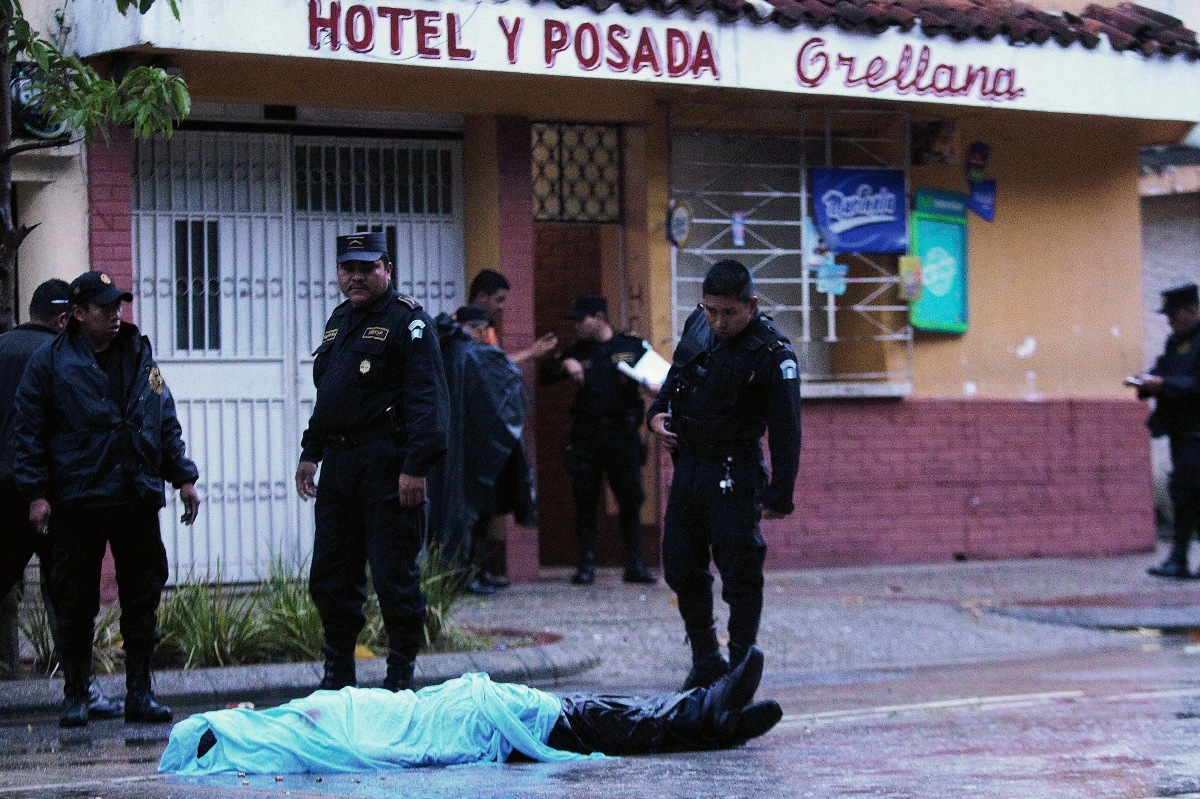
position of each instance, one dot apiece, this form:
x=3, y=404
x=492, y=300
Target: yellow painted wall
x=1057, y=276
x=481, y=197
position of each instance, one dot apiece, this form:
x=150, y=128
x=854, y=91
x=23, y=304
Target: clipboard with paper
x=650, y=370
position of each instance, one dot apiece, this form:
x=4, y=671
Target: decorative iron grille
x=576, y=173
x=374, y=179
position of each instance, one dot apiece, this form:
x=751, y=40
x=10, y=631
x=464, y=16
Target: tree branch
x=26, y=146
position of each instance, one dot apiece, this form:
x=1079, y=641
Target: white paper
x=650, y=370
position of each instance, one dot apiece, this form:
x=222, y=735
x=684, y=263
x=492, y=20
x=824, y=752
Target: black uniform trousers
x=80, y=533
x=702, y=518
x=1184, y=489
x=591, y=454
x=358, y=521
x=22, y=542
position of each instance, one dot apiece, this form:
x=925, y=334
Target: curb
x=1106, y=618
x=284, y=681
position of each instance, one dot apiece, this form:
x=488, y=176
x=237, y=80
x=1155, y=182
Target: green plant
x=210, y=624
x=107, y=653
x=443, y=583
x=35, y=627
x=293, y=630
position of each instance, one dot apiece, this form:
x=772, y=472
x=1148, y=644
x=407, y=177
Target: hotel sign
x=544, y=39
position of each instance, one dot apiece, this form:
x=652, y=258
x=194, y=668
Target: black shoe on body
x=705, y=671
x=726, y=698
x=1171, y=567
x=756, y=719
x=100, y=706
x=140, y=704
x=493, y=580
x=479, y=588
x=638, y=574
x=585, y=575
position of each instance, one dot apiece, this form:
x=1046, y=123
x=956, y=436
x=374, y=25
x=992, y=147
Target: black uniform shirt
x=727, y=393
x=15, y=348
x=606, y=392
x=384, y=356
x=1177, y=407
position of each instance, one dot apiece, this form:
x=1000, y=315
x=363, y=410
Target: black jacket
x=606, y=393
x=723, y=395
x=15, y=348
x=1177, y=407
x=384, y=356
x=486, y=469
x=75, y=445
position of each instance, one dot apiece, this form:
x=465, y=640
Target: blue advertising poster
x=940, y=241
x=861, y=210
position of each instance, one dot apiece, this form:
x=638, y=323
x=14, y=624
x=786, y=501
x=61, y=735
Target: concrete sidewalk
x=817, y=624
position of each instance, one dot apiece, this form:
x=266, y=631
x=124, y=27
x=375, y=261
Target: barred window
x=197, y=285
x=371, y=179
x=576, y=173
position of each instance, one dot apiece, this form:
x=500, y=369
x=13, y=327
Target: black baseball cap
x=362, y=247
x=1184, y=296
x=96, y=287
x=470, y=314
x=587, y=306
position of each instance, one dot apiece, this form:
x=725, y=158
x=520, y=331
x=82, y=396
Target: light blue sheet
x=466, y=720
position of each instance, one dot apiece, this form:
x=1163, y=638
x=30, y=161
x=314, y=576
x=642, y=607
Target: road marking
x=86, y=784
x=1001, y=702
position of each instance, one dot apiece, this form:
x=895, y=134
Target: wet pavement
x=895, y=682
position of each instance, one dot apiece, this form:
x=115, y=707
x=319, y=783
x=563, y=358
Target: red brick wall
x=920, y=481
x=513, y=147
x=110, y=195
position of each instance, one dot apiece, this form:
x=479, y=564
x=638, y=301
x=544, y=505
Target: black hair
x=487, y=282
x=729, y=279
x=49, y=300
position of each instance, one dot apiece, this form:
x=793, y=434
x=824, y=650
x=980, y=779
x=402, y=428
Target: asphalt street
x=895, y=682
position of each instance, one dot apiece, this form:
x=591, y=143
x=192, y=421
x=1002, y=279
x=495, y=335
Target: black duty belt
x=357, y=438
x=717, y=449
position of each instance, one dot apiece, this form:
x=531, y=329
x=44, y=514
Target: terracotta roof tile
x=1127, y=26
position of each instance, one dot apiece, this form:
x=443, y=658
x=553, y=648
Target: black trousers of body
x=22, y=542
x=1184, y=489
x=358, y=521
x=590, y=455
x=702, y=519
x=627, y=725
x=80, y=533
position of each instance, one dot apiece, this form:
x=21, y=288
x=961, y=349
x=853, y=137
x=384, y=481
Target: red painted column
x=513, y=151
x=110, y=243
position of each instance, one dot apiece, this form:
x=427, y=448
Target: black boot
x=339, y=671
x=1175, y=565
x=140, y=704
x=399, y=672
x=756, y=719
x=76, y=673
x=635, y=570
x=586, y=573
x=707, y=664
x=100, y=706
x=723, y=702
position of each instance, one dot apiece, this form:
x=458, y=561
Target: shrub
x=210, y=624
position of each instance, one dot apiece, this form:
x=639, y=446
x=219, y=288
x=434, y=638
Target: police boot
x=724, y=701
x=76, y=672
x=635, y=570
x=586, y=573
x=1176, y=563
x=399, y=672
x=140, y=704
x=339, y=672
x=100, y=706
x=707, y=664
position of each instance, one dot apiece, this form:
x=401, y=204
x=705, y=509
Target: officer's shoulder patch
x=411, y=302
x=330, y=335
x=375, y=333
x=416, y=329
x=788, y=367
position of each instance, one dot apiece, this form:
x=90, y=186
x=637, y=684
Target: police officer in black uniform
x=733, y=376
x=379, y=425
x=605, y=437
x=1174, y=382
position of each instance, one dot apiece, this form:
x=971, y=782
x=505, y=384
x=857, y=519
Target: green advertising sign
x=939, y=239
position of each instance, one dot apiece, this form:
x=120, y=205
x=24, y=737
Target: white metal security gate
x=234, y=242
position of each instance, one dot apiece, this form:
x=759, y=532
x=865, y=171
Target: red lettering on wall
x=558, y=38
x=812, y=65
x=706, y=57
x=618, y=56
x=456, y=52
x=587, y=37
x=395, y=17
x=427, y=28
x=646, y=54
x=317, y=23
x=679, y=52
x=363, y=43
x=512, y=36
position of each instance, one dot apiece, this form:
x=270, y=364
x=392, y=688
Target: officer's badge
x=365, y=366
x=105, y=279
x=416, y=329
x=156, y=380
x=624, y=357
x=788, y=368
x=1184, y=348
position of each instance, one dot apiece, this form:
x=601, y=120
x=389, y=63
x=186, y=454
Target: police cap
x=587, y=306
x=470, y=314
x=362, y=247
x=96, y=287
x=1184, y=296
